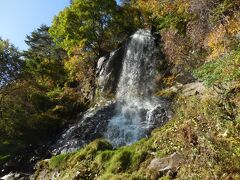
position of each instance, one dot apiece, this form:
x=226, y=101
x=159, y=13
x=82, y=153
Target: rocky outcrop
x=166, y=166
x=167, y=163
x=108, y=72
x=195, y=88
x=190, y=89
x=24, y=161
x=158, y=116
x=91, y=126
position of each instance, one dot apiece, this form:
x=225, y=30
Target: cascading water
x=131, y=116
x=135, y=91
x=136, y=111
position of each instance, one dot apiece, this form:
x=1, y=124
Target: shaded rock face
x=90, y=127
x=158, y=116
x=165, y=166
x=108, y=72
x=24, y=161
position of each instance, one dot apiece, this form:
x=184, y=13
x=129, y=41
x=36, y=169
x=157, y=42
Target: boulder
x=195, y=88
x=165, y=164
x=157, y=116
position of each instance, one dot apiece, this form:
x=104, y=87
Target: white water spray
x=135, y=91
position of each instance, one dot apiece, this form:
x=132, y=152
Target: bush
x=223, y=70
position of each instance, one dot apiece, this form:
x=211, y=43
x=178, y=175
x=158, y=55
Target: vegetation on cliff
x=207, y=141
x=45, y=87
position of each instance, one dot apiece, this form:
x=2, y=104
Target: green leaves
x=223, y=70
x=44, y=60
x=10, y=62
x=84, y=24
x=93, y=26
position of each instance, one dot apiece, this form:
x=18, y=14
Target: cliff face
x=109, y=71
x=126, y=74
x=205, y=145
x=200, y=140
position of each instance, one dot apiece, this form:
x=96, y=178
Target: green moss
x=58, y=161
x=4, y=159
x=119, y=162
x=90, y=150
x=197, y=132
x=123, y=176
x=165, y=178
x=103, y=159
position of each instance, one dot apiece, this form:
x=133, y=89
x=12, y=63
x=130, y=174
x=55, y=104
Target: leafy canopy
x=85, y=24
x=10, y=62
x=44, y=61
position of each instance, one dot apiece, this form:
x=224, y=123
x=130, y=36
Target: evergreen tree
x=10, y=62
x=44, y=61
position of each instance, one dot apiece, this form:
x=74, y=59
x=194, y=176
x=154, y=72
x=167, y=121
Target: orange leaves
x=223, y=37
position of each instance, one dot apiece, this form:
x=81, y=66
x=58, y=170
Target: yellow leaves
x=216, y=35
x=223, y=37
x=183, y=7
x=57, y=108
x=234, y=26
x=169, y=81
x=46, y=61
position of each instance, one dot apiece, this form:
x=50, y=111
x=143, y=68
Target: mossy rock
x=207, y=152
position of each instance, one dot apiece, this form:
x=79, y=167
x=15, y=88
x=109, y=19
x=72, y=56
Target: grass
x=222, y=70
x=208, y=143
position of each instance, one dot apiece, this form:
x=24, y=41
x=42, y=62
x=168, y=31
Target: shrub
x=223, y=70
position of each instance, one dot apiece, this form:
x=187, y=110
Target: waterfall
x=135, y=91
x=131, y=69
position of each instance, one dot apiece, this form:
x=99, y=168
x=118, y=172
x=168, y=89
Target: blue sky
x=20, y=17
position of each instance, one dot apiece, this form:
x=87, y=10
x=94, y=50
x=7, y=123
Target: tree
x=44, y=61
x=10, y=63
x=86, y=25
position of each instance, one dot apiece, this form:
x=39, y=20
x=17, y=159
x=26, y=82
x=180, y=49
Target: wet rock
x=15, y=176
x=92, y=126
x=25, y=160
x=157, y=117
x=108, y=72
